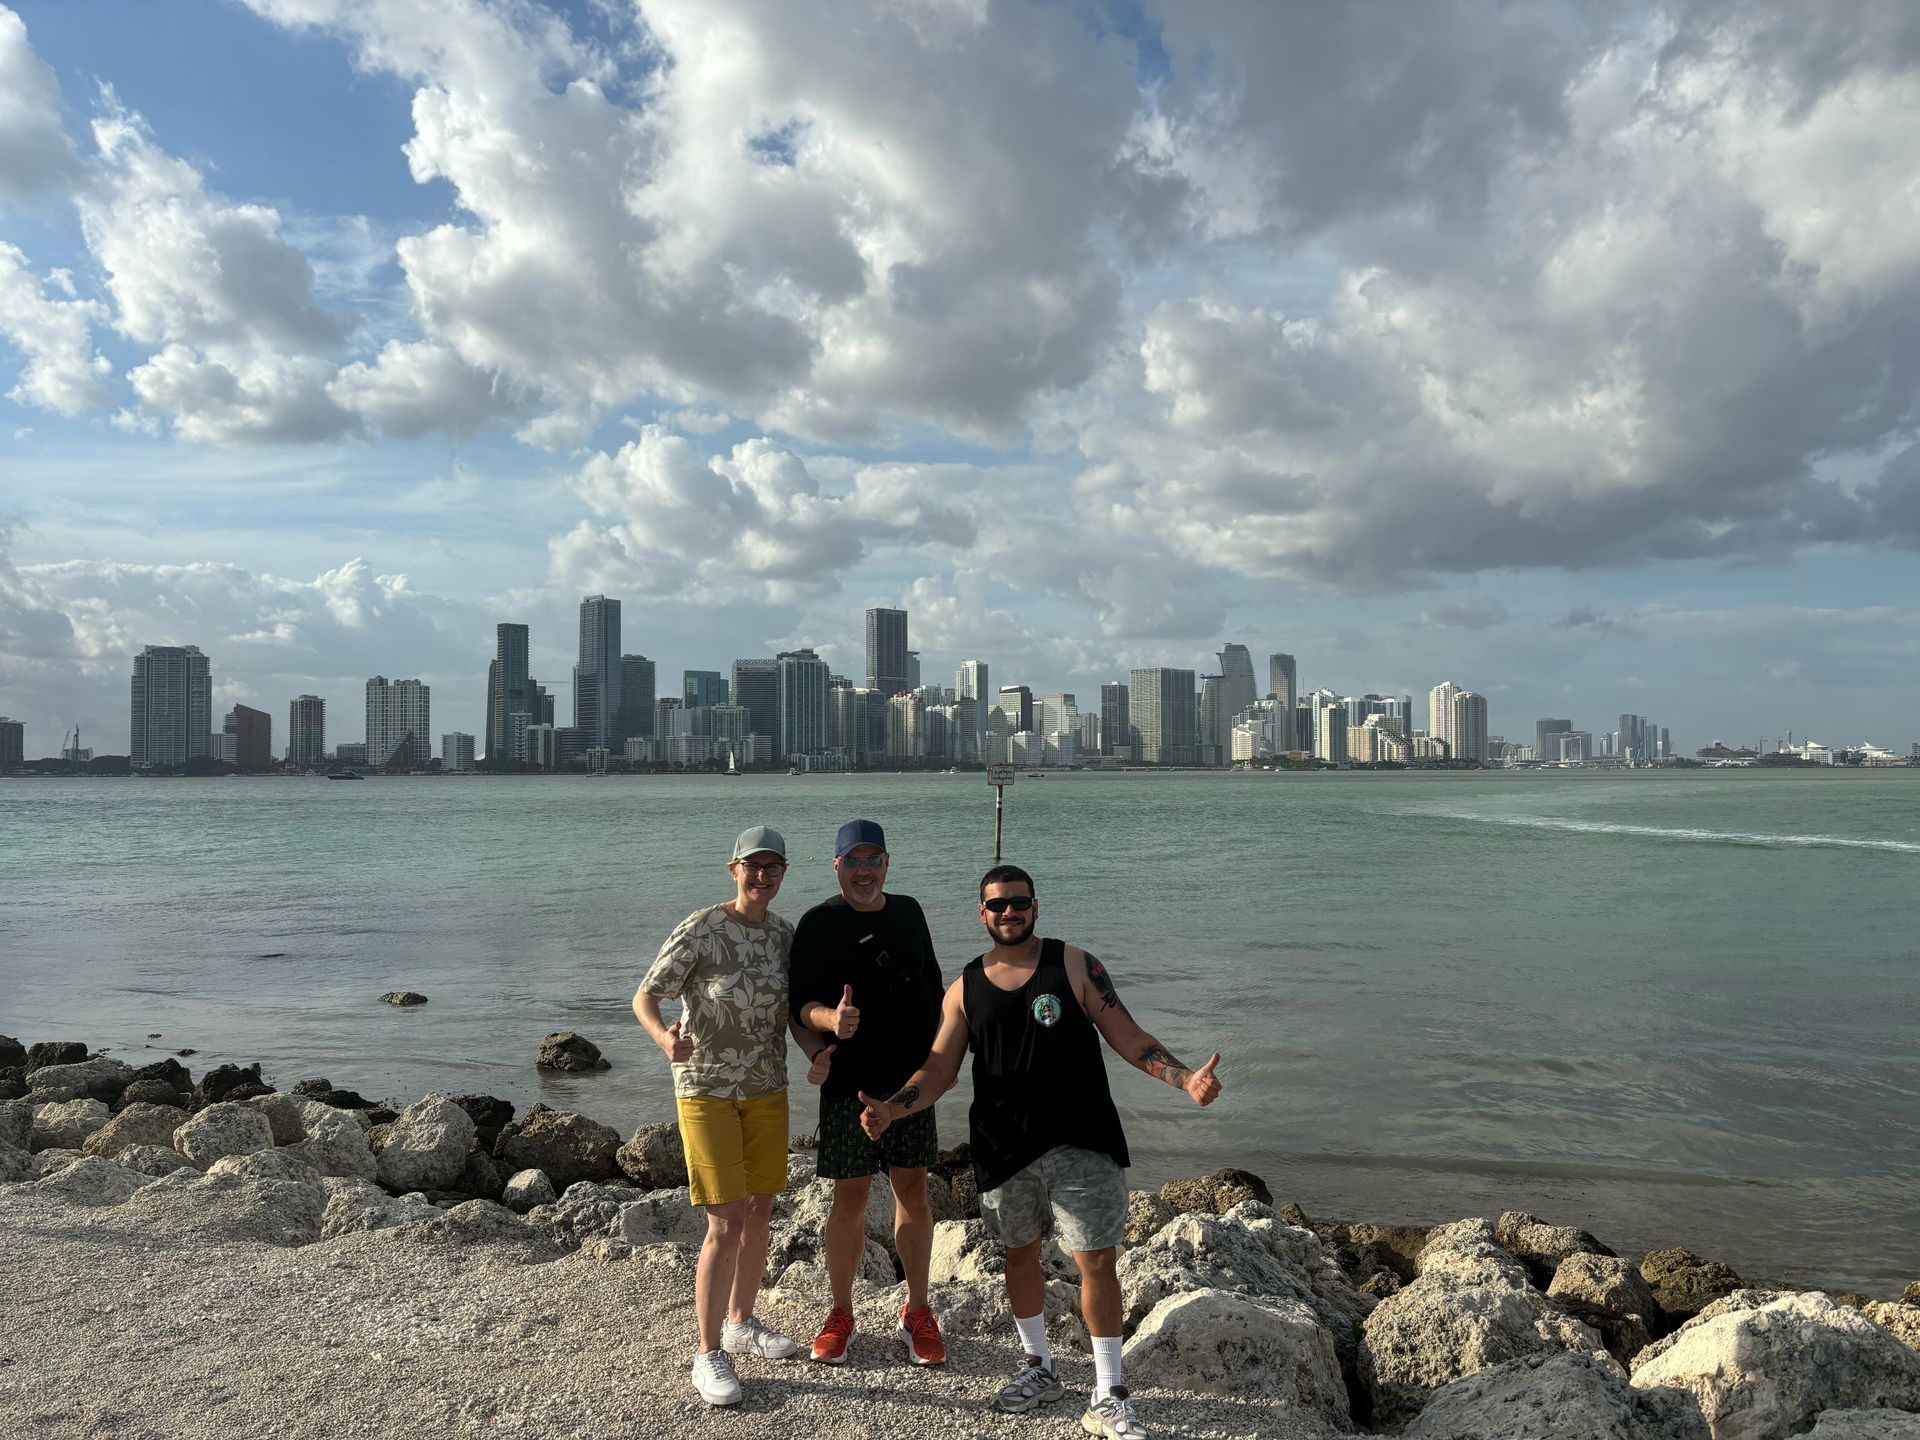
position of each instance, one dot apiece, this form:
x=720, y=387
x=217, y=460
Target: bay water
x=1674, y=1007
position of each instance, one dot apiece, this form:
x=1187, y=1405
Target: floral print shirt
x=731, y=977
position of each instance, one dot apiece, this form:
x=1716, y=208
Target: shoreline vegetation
x=213, y=1256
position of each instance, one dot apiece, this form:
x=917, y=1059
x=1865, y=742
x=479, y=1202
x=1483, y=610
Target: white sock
x=1106, y=1366
x=1033, y=1337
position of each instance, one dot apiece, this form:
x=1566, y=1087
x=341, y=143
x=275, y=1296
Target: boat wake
x=1693, y=836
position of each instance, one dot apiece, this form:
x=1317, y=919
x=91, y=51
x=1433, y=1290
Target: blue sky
x=1567, y=355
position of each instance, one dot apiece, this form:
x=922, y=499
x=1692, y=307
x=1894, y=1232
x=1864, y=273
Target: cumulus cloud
x=1465, y=612
x=36, y=156
x=63, y=373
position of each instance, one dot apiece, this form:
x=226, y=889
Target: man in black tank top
x=1047, y=1144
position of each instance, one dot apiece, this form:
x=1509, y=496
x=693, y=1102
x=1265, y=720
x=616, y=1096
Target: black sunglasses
x=1019, y=904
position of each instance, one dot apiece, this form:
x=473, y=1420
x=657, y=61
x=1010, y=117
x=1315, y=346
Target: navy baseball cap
x=856, y=833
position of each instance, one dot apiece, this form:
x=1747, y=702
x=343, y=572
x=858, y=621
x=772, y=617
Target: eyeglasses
x=863, y=862
x=754, y=867
x=1019, y=904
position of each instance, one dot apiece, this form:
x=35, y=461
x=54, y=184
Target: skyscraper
x=13, y=743
x=970, y=684
x=1214, y=724
x=1017, y=702
x=596, y=675
x=1115, y=720
x=1545, y=747
x=887, y=651
x=1283, y=680
x=704, y=687
x=252, y=732
x=399, y=723
x=509, y=689
x=634, y=719
x=1237, y=689
x=172, y=708
x=1440, y=714
x=803, y=702
x=1165, y=714
x=756, y=685
x=1469, y=730
x=456, y=751
x=306, y=732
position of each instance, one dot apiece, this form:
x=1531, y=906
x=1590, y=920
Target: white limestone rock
x=1221, y=1343
x=353, y=1207
x=283, y=1115
x=154, y=1160
x=16, y=1166
x=1609, y=1294
x=426, y=1147
x=316, y=1116
x=138, y=1124
x=1898, y=1320
x=1765, y=1371
x=527, y=1189
x=980, y=1307
x=66, y=1124
x=281, y=1165
x=93, y=1181
x=1866, y=1425
x=97, y=1079
x=16, y=1124
x=52, y=1162
x=1338, y=1303
x=662, y=1217
x=1566, y=1397
x=225, y=1206
x=964, y=1252
x=220, y=1130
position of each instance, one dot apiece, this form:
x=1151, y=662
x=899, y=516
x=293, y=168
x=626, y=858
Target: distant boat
x=345, y=775
x=732, y=769
x=796, y=772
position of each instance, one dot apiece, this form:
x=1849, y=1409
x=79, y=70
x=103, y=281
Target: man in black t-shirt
x=865, y=979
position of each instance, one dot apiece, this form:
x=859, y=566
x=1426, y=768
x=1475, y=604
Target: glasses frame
x=864, y=862
x=750, y=867
x=1000, y=904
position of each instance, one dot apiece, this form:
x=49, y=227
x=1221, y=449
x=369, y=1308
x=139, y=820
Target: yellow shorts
x=735, y=1148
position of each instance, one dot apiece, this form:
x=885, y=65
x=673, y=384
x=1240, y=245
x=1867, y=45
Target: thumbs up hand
x=1202, y=1084
x=679, y=1047
x=846, y=1016
x=876, y=1117
x=822, y=1064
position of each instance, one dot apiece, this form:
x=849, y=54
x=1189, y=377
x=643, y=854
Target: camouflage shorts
x=1081, y=1195
x=843, y=1152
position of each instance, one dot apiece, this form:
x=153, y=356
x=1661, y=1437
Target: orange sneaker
x=920, y=1333
x=830, y=1345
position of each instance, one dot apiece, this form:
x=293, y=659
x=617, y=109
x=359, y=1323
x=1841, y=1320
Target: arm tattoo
x=1158, y=1062
x=1103, y=985
x=904, y=1097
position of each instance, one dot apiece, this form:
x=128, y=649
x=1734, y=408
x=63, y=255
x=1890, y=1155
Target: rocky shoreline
x=557, y=1245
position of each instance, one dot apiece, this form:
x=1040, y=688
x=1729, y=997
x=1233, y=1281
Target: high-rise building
x=1468, y=734
x=669, y=717
x=252, y=732
x=906, y=734
x=634, y=718
x=1283, y=680
x=1017, y=702
x=172, y=706
x=306, y=732
x=1213, y=743
x=596, y=675
x=1237, y=688
x=1164, y=713
x=1115, y=720
x=399, y=723
x=704, y=687
x=456, y=751
x=803, y=703
x=1440, y=713
x=850, y=722
x=1055, y=712
x=1545, y=747
x=1329, y=728
x=13, y=744
x=971, y=683
x=887, y=651
x=756, y=685
x=509, y=689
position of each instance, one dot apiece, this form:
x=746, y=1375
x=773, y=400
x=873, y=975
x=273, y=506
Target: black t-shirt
x=887, y=956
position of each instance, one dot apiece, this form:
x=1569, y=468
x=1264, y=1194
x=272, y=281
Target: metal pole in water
x=999, y=802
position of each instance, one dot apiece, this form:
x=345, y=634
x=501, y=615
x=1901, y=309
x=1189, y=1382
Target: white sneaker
x=1113, y=1418
x=713, y=1377
x=752, y=1337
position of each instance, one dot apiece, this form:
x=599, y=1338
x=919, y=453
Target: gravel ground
x=124, y=1329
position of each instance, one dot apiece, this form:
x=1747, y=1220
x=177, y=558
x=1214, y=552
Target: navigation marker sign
x=999, y=775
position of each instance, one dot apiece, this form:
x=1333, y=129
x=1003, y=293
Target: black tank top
x=1038, y=1076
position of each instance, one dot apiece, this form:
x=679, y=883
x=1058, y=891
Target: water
x=1674, y=1007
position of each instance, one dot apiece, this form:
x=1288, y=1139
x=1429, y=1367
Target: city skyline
x=1099, y=339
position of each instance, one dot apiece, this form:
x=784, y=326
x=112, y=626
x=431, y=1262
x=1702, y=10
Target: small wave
x=1707, y=837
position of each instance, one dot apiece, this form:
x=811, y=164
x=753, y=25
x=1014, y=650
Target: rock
x=16, y=1166
x=13, y=1082
x=1684, y=1284
x=1541, y=1247
x=335, y=1145
x=490, y=1116
x=403, y=997
x=565, y=1050
x=669, y=1217
x=66, y=1124
x=654, y=1158
x=283, y=1117
x=54, y=1052
x=230, y=1207
x=1763, y=1371
x=168, y=1072
x=222, y=1129
x=941, y=1201
x=1469, y=1309
x=310, y=1088
x=278, y=1165
x=1381, y=1284
x=973, y=1307
x=1365, y=1250
x=1865, y=1425
x=481, y=1178
x=426, y=1148
x=964, y=1252
x=153, y=1160
x=527, y=1189
x=1339, y=1304
x=1566, y=1397
x=570, y=1148
x=1900, y=1321
x=1250, y=1348
x=96, y=1079
x=226, y=1083
x=1216, y=1193
x=1911, y=1295
x=12, y=1053
x=478, y=1222
x=151, y=1092
x=138, y=1124
x=318, y=1116
x=1609, y=1294
x=1146, y=1213
x=355, y=1207
x=583, y=1212
x=94, y=1181
x=16, y=1124
x=343, y=1100
x=50, y=1162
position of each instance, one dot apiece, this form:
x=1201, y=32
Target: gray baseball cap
x=756, y=838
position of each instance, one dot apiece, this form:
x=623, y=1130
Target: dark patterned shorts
x=842, y=1150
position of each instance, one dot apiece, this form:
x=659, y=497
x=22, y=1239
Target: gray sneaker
x=752, y=1337
x=1034, y=1384
x=713, y=1377
x=1113, y=1418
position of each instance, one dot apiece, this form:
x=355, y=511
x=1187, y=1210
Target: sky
x=1567, y=352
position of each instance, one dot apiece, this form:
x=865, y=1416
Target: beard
x=1000, y=936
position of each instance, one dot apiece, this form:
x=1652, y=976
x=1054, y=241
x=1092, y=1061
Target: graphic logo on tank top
x=1046, y=1010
